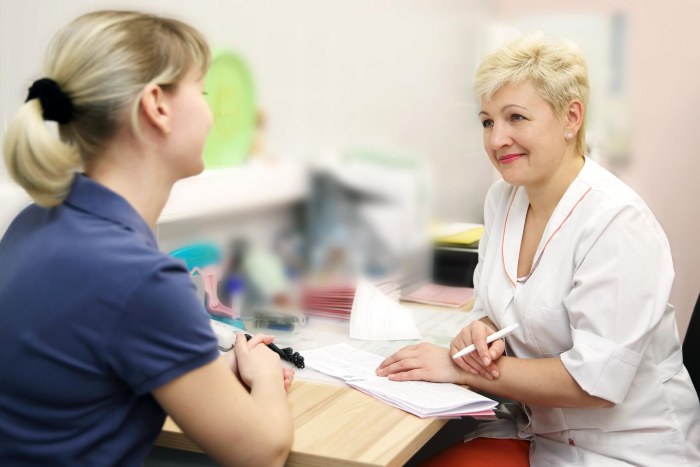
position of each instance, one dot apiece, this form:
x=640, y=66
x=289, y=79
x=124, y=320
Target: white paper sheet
x=438, y=325
x=421, y=398
x=375, y=316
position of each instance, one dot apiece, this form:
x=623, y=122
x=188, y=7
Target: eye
x=488, y=123
x=517, y=118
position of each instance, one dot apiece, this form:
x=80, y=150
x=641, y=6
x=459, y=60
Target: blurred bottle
x=235, y=291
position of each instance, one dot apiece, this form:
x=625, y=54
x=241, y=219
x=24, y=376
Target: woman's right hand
x=256, y=362
x=480, y=361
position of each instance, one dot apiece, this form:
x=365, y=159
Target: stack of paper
x=442, y=295
x=335, y=299
x=328, y=300
x=421, y=398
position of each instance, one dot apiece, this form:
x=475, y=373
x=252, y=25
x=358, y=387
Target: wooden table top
x=339, y=426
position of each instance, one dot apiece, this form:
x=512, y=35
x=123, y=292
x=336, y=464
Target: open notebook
x=421, y=398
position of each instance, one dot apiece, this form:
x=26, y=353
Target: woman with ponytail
x=102, y=333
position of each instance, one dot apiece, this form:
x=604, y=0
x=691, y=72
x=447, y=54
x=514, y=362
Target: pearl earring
x=569, y=135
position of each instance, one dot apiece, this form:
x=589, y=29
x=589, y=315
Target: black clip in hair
x=55, y=103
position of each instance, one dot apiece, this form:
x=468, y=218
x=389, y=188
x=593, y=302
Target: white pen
x=496, y=335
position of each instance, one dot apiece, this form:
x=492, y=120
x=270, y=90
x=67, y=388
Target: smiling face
x=523, y=137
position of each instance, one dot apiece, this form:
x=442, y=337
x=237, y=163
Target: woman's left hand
x=424, y=362
x=287, y=373
x=255, y=340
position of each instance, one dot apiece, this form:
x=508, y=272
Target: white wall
x=333, y=74
x=330, y=74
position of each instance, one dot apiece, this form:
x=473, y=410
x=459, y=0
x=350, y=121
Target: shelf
x=231, y=191
x=248, y=188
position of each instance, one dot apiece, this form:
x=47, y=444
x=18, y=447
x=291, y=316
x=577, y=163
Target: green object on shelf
x=231, y=96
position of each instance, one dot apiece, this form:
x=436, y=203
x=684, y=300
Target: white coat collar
x=515, y=223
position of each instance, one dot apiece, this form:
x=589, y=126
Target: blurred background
x=332, y=82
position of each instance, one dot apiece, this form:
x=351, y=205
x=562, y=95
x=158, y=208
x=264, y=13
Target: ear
x=574, y=116
x=154, y=106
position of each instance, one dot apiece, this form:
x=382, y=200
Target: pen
x=496, y=335
x=286, y=354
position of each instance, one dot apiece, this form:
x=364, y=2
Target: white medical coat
x=597, y=299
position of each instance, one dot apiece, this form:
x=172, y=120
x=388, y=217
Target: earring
x=569, y=135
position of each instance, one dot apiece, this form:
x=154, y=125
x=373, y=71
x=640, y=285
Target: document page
x=421, y=398
x=342, y=361
x=375, y=316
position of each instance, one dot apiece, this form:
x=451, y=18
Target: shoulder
x=613, y=207
x=26, y=219
x=612, y=197
x=72, y=247
x=608, y=188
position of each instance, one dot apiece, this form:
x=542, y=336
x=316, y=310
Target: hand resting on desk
x=429, y=362
x=424, y=362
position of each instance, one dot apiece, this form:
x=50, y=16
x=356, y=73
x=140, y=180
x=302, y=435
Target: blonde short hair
x=557, y=69
x=102, y=61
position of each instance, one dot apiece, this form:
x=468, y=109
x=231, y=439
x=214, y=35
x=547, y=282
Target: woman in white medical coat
x=577, y=259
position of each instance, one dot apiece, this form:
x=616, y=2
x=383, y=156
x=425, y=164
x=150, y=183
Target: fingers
x=497, y=349
x=482, y=348
x=410, y=375
x=395, y=357
x=240, y=347
x=398, y=366
x=267, y=339
x=288, y=377
x=230, y=358
x=288, y=373
x=481, y=361
x=474, y=365
x=471, y=362
x=260, y=339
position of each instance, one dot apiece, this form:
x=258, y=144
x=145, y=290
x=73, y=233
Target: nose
x=498, y=137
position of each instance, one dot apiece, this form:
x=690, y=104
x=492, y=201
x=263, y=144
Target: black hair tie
x=55, y=103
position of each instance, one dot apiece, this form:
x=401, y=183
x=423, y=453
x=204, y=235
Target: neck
x=136, y=175
x=545, y=196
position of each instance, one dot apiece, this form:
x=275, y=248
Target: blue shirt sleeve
x=164, y=331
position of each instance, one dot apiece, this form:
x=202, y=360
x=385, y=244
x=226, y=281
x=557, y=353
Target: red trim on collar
x=537, y=261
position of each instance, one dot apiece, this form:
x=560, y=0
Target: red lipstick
x=508, y=158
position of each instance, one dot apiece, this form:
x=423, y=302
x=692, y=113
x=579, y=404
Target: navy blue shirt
x=93, y=317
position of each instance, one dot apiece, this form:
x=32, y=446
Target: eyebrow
x=504, y=108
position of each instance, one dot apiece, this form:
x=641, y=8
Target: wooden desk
x=339, y=426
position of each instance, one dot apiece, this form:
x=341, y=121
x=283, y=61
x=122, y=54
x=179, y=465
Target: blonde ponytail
x=101, y=61
x=43, y=165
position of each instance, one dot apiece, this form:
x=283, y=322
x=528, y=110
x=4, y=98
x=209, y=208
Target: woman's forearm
x=542, y=381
